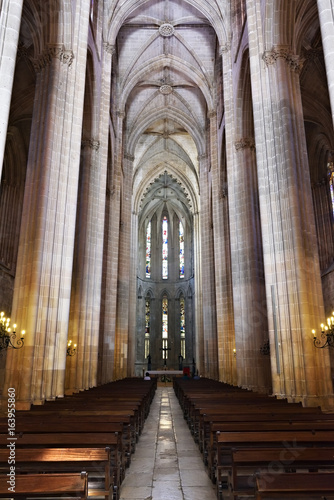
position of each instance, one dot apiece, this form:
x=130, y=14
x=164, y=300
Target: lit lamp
x=7, y=337
x=327, y=334
x=235, y=353
x=71, y=349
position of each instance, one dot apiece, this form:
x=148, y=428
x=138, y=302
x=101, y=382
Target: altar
x=164, y=372
x=164, y=376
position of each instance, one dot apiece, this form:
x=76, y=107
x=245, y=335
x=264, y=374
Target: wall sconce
x=7, y=337
x=71, y=349
x=327, y=334
x=235, y=353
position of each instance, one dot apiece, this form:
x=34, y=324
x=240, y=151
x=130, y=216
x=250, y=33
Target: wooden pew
x=73, y=485
x=299, y=485
x=269, y=462
x=227, y=441
x=75, y=440
x=210, y=447
x=95, y=461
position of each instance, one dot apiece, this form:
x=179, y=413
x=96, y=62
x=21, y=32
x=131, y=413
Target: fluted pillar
x=198, y=341
x=210, y=368
x=87, y=269
x=293, y=286
x=123, y=288
x=10, y=21
x=249, y=300
x=326, y=16
x=44, y=267
x=224, y=291
x=109, y=371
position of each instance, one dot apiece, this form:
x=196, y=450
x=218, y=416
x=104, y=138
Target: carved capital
x=90, y=143
x=283, y=52
x=245, y=143
x=110, y=49
x=51, y=52
x=129, y=157
x=223, y=49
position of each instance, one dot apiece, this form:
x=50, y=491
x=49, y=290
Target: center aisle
x=167, y=464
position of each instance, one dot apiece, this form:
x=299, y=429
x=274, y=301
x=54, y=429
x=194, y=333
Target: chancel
x=167, y=193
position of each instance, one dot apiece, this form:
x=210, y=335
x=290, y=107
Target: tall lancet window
x=147, y=326
x=164, y=248
x=148, y=250
x=181, y=243
x=164, y=327
x=183, y=327
x=330, y=170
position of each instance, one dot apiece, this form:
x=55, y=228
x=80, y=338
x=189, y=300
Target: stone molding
x=245, y=143
x=294, y=61
x=90, y=143
x=166, y=30
x=53, y=52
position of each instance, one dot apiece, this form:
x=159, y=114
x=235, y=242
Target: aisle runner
x=167, y=464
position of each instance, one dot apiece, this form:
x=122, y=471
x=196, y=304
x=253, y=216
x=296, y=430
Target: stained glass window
x=330, y=170
x=183, y=327
x=147, y=326
x=164, y=327
x=148, y=250
x=181, y=242
x=165, y=248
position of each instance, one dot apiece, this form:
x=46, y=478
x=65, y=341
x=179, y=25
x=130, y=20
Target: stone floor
x=167, y=464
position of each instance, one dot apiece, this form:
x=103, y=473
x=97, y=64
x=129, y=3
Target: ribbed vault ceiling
x=165, y=66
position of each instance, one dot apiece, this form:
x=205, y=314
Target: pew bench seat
x=247, y=463
x=69, y=485
x=296, y=485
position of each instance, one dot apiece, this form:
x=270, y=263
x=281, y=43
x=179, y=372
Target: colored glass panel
x=147, y=326
x=183, y=327
x=181, y=242
x=148, y=250
x=164, y=327
x=165, y=248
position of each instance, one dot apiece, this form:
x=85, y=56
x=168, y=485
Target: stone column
x=249, y=300
x=224, y=291
x=293, y=285
x=10, y=21
x=44, y=268
x=87, y=269
x=198, y=338
x=210, y=368
x=123, y=288
x=326, y=15
x=133, y=294
x=111, y=256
